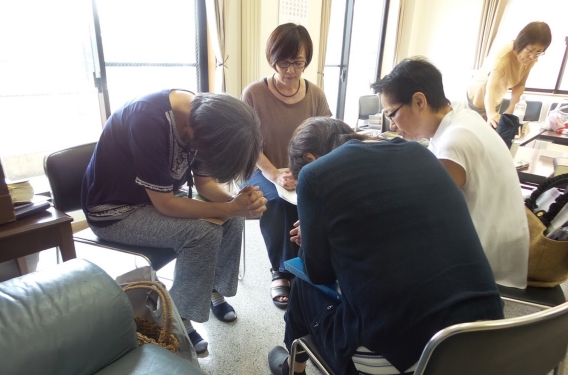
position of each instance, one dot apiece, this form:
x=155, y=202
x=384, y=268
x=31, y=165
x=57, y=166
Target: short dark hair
x=226, y=136
x=410, y=76
x=286, y=41
x=319, y=136
x=533, y=33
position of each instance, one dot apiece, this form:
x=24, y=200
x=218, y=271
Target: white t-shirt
x=492, y=191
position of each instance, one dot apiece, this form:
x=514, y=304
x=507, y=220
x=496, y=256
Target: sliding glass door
x=352, y=57
x=66, y=64
x=148, y=45
x=47, y=97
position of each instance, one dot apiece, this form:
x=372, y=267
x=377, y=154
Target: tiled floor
x=240, y=347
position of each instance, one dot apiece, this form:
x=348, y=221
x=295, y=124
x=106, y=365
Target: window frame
x=556, y=89
x=201, y=58
x=343, y=65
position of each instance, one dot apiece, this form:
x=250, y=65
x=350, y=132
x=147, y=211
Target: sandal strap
x=277, y=275
x=279, y=291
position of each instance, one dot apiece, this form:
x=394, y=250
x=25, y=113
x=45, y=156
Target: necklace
x=286, y=96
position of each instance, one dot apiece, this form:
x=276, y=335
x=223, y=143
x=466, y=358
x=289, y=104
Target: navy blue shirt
x=389, y=223
x=139, y=149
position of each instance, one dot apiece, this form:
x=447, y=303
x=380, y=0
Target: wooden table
x=553, y=137
x=534, y=133
x=41, y=231
x=541, y=164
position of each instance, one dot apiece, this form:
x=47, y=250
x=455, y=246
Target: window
x=47, y=97
x=544, y=76
x=54, y=77
x=148, y=45
x=351, y=65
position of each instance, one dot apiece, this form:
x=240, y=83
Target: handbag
x=548, y=258
x=147, y=330
x=156, y=312
x=507, y=128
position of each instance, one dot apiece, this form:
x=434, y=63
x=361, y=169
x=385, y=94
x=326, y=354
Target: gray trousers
x=208, y=254
x=481, y=111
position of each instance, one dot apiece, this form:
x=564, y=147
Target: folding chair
x=543, y=298
x=64, y=170
x=368, y=105
x=533, y=109
x=533, y=344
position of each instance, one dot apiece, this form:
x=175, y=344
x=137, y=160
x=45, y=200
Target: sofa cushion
x=70, y=319
x=151, y=359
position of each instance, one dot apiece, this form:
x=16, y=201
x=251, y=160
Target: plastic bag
x=557, y=119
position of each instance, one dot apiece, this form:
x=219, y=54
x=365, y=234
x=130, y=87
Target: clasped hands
x=250, y=202
x=295, y=233
x=286, y=180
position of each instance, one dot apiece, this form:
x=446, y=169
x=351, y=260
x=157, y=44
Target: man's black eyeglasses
x=393, y=113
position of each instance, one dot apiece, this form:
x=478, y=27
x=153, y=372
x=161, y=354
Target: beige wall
x=250, y=24
x=444, y=31
x=269, y=21
x=430, y=28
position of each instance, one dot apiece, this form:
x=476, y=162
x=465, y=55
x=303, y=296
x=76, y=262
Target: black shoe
x=278, y=361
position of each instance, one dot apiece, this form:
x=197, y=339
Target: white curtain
x=251, y=54
x=399, y=29
x=324, y=31
x=490, y=20
x=216, y=20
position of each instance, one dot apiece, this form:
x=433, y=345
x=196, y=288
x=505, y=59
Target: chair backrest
x=555, y=105
x=531, y=114
x=530, y=345
x=368, y=105
x=65, y=170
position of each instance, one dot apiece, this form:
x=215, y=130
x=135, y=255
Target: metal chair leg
x=234, y=189
x=307, y=346
x=242, y=265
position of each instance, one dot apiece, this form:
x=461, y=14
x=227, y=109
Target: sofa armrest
x=70, y=319
x=151, y=359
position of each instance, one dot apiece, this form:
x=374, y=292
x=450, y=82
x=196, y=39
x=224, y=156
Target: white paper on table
x=287, y=195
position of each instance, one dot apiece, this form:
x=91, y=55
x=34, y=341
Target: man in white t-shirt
x=474, y=155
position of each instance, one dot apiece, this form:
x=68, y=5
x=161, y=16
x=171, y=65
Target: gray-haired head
x=226, y=134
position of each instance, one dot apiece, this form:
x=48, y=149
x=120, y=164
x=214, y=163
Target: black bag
x=508, y=127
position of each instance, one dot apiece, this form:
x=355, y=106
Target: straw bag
x=548, y=259
x=147, y=304
x=148, y=330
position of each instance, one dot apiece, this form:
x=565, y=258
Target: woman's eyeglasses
x=534, y=54
x=286, y=64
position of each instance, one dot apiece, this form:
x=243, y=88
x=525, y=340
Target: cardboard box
x=7, y=213
x=560, y=166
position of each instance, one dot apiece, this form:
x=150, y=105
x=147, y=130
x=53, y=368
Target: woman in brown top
x=282, y=101
x=508, y=69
